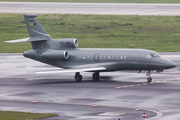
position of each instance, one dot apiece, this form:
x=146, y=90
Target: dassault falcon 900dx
x=64, y=53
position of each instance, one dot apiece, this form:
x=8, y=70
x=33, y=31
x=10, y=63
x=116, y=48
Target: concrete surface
x=89, y=8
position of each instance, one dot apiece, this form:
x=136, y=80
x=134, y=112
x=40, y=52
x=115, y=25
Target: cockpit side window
x=148, y=56
x=153, y=55
x=157, y=55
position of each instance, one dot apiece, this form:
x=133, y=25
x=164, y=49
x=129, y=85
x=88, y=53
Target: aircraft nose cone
x=168, y=64
x=172, y=65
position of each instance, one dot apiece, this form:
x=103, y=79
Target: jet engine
x=55, y=54
x=69, y=42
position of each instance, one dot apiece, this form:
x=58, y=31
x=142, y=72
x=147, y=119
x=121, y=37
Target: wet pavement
x=116, y=95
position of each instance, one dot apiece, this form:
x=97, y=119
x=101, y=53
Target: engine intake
x=55, y=54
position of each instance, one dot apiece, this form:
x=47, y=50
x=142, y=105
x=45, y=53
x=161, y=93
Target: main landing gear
x=149, y=79
x=78, y=77
x=95, y=76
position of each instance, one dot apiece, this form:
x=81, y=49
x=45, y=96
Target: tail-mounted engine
x=68, y=43
x=55, y=54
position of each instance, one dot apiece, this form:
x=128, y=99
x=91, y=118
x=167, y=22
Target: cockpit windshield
x=153, y=55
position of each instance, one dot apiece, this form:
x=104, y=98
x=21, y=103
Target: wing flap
x=74, y=70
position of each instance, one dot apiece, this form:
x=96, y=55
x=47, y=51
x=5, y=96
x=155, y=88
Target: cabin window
x=79, y=57
x=84, y=57
x=120, y=57
x=87, y=57
x=100, y=57
x=116, y=57
x=104, y=57
x=112, y=57
x=124, y=57
x=109, y=57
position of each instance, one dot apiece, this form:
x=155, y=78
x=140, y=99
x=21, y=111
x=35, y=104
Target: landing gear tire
x=78, y=77
x=95, y=76
x=149, y=79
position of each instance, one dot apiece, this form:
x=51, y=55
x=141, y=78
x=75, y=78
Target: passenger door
x=96, y=57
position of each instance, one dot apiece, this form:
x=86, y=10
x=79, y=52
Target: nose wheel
x=149, y=79
x=78, y=77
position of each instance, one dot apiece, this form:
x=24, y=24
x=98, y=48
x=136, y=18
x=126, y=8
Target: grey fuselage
x=111, y=59
x=65, y=54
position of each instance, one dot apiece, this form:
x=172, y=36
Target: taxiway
x=116, y=95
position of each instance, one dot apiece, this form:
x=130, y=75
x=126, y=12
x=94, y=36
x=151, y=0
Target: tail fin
x=37, y=35
x=34, y=28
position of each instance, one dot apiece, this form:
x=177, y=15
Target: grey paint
x=132, y=59
x=51, y=51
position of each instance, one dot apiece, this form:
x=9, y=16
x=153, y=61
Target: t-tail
x=37, y=35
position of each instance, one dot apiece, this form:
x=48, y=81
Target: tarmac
x=116, y=95
x=90, y=8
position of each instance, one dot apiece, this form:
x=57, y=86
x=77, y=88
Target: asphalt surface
x=116, y=95
x=89, y=8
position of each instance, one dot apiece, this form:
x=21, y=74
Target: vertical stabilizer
x=34, y=28
x=36, y=31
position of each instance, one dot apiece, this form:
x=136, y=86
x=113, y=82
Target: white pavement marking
x=159, y=114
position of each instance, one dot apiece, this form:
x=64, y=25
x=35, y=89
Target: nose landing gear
x=149, y=79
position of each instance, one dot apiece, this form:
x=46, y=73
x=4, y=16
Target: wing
x=92, y=69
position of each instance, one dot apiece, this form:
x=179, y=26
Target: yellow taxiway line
x=178, y=79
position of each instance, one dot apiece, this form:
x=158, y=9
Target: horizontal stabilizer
x=31, y=39
x=74, y=70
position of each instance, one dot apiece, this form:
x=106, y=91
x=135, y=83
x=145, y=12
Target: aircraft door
x=96, y=57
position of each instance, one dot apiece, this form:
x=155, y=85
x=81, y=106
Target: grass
x=101, y=1
x=158, y=33
x=10, y=115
